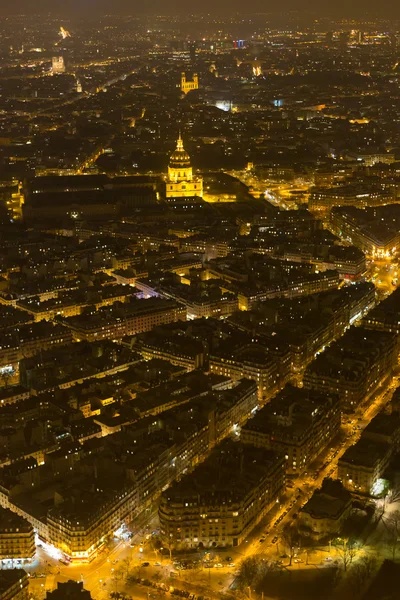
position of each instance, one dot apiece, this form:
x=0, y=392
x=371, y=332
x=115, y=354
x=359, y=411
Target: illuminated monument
x=187, y=86
x=57, y=64
x=181, y=183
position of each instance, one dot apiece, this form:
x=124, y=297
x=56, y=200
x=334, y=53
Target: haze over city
x=199, y=300
x=355, y=8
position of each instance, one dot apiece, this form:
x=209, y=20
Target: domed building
x=181, y=183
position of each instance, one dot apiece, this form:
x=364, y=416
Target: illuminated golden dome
x=180, y=182
x=179, y=159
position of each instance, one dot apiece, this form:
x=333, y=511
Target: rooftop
x=233, y=469
x=365, y=453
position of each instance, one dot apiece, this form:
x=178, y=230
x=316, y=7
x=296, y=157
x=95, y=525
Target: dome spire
x=179, y=145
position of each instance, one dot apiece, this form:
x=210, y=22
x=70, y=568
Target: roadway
x=384, y=275
x=324, y=466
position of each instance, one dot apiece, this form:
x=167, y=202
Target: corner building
x=17, y=537
x=223, y=498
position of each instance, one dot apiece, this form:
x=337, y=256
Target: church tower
x=181, y=183
x=187, y=85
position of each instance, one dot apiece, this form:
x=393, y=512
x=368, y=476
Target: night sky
x=356, y=8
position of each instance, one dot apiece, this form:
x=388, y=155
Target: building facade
x=223, y=498
x=14, y=584
x=189, y=85
x=17, y=537
x=297, y=423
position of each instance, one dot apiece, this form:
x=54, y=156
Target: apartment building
x=17, y=537
x=223, y=498
x=297, y=423
x=354, y=366
x=14, y=584
x=362, y=465
x=128, y=319
x=253, y=361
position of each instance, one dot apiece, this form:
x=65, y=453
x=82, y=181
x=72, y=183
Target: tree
x=290, y=539
x=116, y=577
x=264, y=570
x=248, y=572
x=370, y=564
x=361, y=572
x=170, y=546
x=393, y=526
x=346, y=550
x=125, y=566
x=156, y=545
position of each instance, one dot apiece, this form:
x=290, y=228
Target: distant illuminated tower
x=78, y=86
x=257, y=70
x=57, y=65
x=181, y=183
x=187, y=86
x=64, y=33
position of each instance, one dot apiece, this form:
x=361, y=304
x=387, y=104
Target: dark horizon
x=357, y=9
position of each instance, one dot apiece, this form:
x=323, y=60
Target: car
x=218, y=566
x=145, y=564
x=261, y=540
x=275, y=539
x=231, y=564
x=157, y=564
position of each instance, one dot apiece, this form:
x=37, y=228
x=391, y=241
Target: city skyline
x=76, y=8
